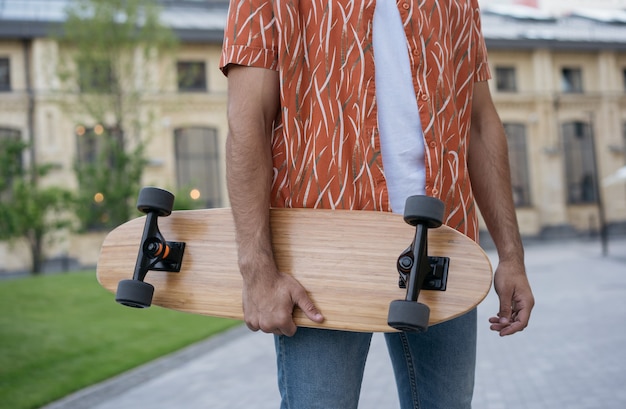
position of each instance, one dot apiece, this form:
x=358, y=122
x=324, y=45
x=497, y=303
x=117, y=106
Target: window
x=191, y=75
x=572, y=80
x=5, y=74
x=97, y=168
x=624, y=140
x=506, y=80
x=197, y=164
x=11, y=145
x=88, y=145
x=580, y=168
x=91, y=143
x=95, y=76
x=8, y=134
x=11, y=163
x=518, y=158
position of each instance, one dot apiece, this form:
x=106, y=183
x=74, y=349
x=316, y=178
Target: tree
x=28, y=210
x=105, y=45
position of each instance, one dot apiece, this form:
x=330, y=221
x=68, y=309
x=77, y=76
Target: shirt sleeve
x=482, y=71
x=250, y=35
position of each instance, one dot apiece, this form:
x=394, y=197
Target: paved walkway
x=572, y=356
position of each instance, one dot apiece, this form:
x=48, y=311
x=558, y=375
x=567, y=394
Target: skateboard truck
x=417, y=270
x=436, y=278
x=155, y=253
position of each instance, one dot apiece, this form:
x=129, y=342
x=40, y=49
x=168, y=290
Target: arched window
x=11, y=144
x=580, y=169
x=5, y=74
x=197, y=166
x=10, y=133
x=11, y=161
x=518, y=159
x=90, y=143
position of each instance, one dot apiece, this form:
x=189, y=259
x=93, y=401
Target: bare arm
x=252, y=108
x=490, y=174
x=269, y=296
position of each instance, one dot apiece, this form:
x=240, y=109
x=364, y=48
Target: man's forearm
x=490, y=174
x=248, y=188
x=252, y=109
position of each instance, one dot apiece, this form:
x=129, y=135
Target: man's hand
x=490, y=172
x=516, y=299
x=269, y=297
x=268, y=304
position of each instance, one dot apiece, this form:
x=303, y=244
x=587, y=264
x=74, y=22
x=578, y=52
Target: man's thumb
x=506, y=310
x=309, y=309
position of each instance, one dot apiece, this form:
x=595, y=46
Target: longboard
x=349, y=262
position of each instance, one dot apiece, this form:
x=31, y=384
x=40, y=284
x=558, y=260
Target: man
x=313, y=124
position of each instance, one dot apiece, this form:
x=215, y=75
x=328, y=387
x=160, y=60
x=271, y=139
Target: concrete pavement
x=573, y=355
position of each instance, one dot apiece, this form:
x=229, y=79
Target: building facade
x=559, y=84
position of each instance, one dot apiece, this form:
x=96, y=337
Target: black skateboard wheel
x=424, y=210
x=153, y=199
x=134, y=293
x=408, y=316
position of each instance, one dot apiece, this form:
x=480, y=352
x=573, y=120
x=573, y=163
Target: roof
x=199, y=20
x=524, y=27
x=510, y=26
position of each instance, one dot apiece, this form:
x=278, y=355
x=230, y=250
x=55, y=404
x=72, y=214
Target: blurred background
x=99, y=98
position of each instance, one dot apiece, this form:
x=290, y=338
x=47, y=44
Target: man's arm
x=488, y=164
x=269, y=296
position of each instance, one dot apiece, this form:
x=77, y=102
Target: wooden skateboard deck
x=347, y=261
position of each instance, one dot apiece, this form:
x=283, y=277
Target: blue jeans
x=433, y=370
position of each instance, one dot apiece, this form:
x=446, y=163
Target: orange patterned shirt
x=326, y=143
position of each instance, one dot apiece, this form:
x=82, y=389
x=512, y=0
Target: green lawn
x=60, y=333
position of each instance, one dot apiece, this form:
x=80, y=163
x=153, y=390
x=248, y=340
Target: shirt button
x=424, y=97
x=435, y=191
x=406, y=6
x=433, y=144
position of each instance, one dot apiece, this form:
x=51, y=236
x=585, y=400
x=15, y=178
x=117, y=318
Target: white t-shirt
x=401, y=134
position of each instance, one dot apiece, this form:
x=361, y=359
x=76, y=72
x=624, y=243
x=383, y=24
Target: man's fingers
x=515, y=297
x=270, y=309
x=288, y=329
x=517, y=322
x=252, y=327
x=277, y=327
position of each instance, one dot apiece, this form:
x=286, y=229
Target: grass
x=60, y=333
